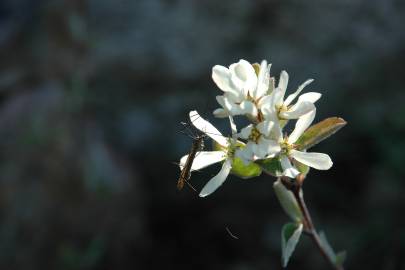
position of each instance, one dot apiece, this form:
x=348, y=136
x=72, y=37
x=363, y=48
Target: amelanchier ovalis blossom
x=249, y=91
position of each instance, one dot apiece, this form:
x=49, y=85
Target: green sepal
x=319, y=132
x=256, y=67
x=271, y=85
x=283, y=122
x=287, y=201
x=245, y=171
x=302, y=168
x=271, y=166
x=290, y=235
x=217, y=147
x=239, y=168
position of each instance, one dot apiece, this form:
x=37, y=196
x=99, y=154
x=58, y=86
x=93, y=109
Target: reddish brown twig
x=296, y=188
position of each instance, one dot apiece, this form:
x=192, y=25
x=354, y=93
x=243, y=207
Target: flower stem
x=309, y=228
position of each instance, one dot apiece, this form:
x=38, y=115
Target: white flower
x=206, y=158
x=275, y=107
x=317, y=161
x=243, y=89
x=260, y=144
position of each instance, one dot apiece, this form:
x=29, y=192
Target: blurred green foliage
x=91, y=94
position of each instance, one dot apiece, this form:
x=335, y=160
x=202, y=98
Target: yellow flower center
x=231, y=149
x=286, y=147
x=255, y=135
x=281, y=108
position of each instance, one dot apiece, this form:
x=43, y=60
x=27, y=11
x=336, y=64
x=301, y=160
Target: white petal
x=297, y=110
x=245, y=132
x=221, y=77
x=291, y=97
x=235, y=109
x=270, y=129
x=207, y=128
x=224, y=102
x=235, y=97
x=258, y=151
x=245, y=153
x=267, y=105
x=243, y=76
x=220, y=100
x=269, y=113
x=310, y=97
x=244, y=70
x=203, y=159
x=234, y=130
x=240, y=69
x=270, y=147
x=262, y=80
x=265, y=101
x=288, y=169
x=220, y=113
x=282, y=85
x=247, y=107
x=276, y=133
x=265, y=127
x=318, y=161
x=229, y=106
x=277, y=97
x=217, y=180
x=302, y=124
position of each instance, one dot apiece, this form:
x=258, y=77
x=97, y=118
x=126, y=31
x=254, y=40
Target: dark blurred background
x=91, y=96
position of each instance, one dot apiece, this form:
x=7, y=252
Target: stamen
x=286, y=147
x=255, y=135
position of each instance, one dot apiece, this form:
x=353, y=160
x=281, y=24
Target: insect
x=198, y=137
x=197, y=145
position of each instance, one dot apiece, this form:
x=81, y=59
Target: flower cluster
x=250, y=91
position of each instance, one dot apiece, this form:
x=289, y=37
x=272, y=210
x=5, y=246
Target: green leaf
x=326, y=246
x=244, y=171
x=271, y=166
x=287, y=201
x=320, y=132
x=290, y=235
x=338, y=258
